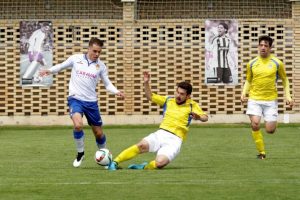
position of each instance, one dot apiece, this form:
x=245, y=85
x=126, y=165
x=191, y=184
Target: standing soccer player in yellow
x=262, y=74
x=166, y=142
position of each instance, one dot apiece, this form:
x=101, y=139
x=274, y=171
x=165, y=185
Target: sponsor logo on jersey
x=270, y=66
x=85, y=74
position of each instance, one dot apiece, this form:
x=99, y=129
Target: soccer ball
x=103, y=157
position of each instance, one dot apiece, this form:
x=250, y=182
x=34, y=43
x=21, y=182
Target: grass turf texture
x=214, y=163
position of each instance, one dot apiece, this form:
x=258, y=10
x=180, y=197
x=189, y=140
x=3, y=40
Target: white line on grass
x=191, y=182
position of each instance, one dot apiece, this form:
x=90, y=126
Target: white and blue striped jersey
x=85, y=75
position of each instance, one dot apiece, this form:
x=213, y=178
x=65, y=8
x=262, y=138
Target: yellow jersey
x=176, y=118
x=262, y=75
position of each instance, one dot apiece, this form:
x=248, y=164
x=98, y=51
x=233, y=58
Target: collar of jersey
x=88, y=60
x=267, y=58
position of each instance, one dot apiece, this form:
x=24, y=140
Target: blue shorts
x=89, y=109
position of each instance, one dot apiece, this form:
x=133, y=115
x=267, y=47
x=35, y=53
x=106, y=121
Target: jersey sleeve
x=285, y=80
x=197, y=109
x=107, y=83
x=248, y=73
x=159, y=100
x=248, y=81
x=67, y=63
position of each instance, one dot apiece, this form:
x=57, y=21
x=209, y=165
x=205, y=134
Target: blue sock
x=79, y=140
x=78, y=134
x=101, y=143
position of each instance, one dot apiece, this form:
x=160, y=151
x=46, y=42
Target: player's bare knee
x=270, y=131
x=255, y=126
x=78, y=127
x=161, y=163
x=98, y=133
x=271, y=127
x=143, y=147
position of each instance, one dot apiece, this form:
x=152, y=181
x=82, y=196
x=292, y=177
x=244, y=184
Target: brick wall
x=171, y=49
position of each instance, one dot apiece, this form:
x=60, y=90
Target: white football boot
x=78, y=160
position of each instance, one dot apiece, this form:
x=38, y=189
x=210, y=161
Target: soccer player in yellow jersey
x=166, y=142
x=262, y=74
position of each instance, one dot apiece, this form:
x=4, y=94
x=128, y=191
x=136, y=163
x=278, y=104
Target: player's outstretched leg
x=113, y=166
x=127, y=154
x=138, y=166
x=144, y=165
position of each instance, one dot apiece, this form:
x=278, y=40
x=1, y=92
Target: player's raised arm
x=148, y=92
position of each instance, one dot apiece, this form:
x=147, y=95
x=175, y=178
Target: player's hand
x=289, y=102
x=146, y=77
x=202, y=118
x=121, y=94
x=194, y=115
x=44, y=72
x=244, y=99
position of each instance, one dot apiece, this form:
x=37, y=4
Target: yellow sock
x=259, y=141
x=151, y=165
x=127, y=154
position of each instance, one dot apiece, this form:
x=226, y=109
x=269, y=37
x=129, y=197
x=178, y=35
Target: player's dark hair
x=224, y=25
x=45, y=24
x=186, y=86
x=96, y=41
x=265, y=38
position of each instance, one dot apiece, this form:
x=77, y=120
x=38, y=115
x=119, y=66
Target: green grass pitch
x=216, y=162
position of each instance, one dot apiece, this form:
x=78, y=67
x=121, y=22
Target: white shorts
x=164, y=143
x=267, y=109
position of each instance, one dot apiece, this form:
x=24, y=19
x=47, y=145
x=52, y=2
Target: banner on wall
x=221, y=52
x=36, y=45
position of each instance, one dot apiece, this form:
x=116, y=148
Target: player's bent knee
x=161, y=165
x=270, y=127
x=143, y=147
x=78, y=127
x=161, y=161
x=270, y=131
x=255, y=127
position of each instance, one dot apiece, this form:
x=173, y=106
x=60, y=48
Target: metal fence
x=202, y=9
x=60, y=9
x=146, y=9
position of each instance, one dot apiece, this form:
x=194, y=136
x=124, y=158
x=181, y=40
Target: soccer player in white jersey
x=87, y=70
x=222, y=62
x=35, y=49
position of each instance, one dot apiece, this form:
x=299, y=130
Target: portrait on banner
x=221, y=52
x=36, y=45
